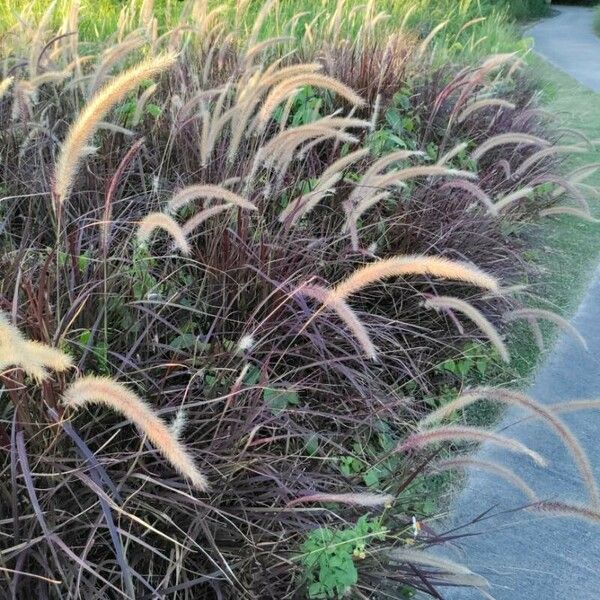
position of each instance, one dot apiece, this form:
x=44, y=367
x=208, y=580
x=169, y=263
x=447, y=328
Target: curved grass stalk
x=394, y=177
x=346, y=314
x=510, y=198
x=87, y=121
x=491, y=467
x=290, y=86
x=194, y=222
x=452, y=153
x=37, y=43
x=158, y=220
x=513, y=398
x=468, y=434
x=475, y=191
x=451, y=303
x=34, y=358
x=141, y=104
x=539, y=313
x=193, y=192
x=563, y=509
x=435, y=266
x=419, y=557
x=568, y=210
x=106, y=391
x=545, y=153
x=480, y=104
x=505, y=139
x=111, y=57
x=5, y=85
x=358, y=499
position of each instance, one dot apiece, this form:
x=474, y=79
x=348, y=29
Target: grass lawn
x=569, y=248
x=468, y=28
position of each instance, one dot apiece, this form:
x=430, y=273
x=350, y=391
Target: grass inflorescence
x=223, y=249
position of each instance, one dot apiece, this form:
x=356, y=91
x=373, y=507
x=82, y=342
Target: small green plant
x=475, y=362
x=280, y=399
x=329, y=556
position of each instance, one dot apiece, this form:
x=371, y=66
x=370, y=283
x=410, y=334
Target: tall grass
x=470, y=27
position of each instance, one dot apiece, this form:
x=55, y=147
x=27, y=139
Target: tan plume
x=34, y=358
x=158, y=220
x=94, y=111
x=193, y=192
x=504, y=139
x=106, y=391
x=399, y=266
x=451, y=303
x=469, y=434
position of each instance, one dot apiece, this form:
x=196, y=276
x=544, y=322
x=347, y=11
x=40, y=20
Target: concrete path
x=525, y=555
x=569, y=42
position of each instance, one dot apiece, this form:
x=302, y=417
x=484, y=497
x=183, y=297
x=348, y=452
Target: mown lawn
x=569, y=248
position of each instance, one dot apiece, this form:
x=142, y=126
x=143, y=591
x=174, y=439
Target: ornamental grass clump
x=227, y=246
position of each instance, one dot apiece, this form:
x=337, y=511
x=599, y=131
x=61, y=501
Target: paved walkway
x=523, y=555
x=526, y=556
x=569, y=42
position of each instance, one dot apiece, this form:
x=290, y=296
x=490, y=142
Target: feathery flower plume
x=37, y=43
x=393, y=177
x=435, y=266
x=158, y=220
x=389, y=159
x=562, y=509
x=345, y=313
x=582, y=173
x=568, y=210
x=48, y=77
x=179, y=423
x=493, y=468
x=419, y=557
x=194, y=222
x=260, y=47
x=102, y=390
x=94, y=111
x=575, y=405
x=364, y=499
x=141, y=104
x=484, y=104
x=453, y=152
x=545, y=153
x=280, y=149
x=111, y=57
x=540, y=313
x=302, y=205
x=34, y=358
x=513, y=398
x=510, y=198
x=245, y=343
x=50, y=357
x=289, y=86
x=5, y=85
x=469, y=434
x=474, y=190
x=193, y=192
x=451, y=303
x=425, y=43
x=504, y=139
